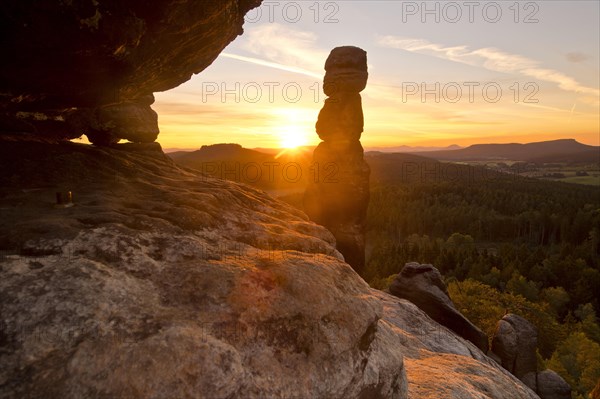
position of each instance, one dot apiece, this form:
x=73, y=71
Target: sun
x=292, y=137
x=292, y=127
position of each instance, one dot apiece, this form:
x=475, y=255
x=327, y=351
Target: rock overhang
x=91, y=66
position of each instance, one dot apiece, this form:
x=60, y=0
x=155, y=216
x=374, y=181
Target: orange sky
x=431, y=83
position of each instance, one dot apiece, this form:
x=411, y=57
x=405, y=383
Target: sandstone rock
x=163, y=282
x=102, y=59
x=515, y=343
x=440, y=364
x=341, y=119
x=134, y=122
x=338, y=196
x=423, y=286
x=514, y=346
x=345, y=71
x=548, y=385
x=339, y=200
x=343, y=190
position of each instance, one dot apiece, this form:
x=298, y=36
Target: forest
x=522, y=245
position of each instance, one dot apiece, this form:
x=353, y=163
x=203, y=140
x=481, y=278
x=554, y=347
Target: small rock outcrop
x=338, y=196
x=514, y=345
x=423, y=286
x=91, y=67
x=548, y=385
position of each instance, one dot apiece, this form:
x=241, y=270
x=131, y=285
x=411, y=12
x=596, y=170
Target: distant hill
x=401, y=168
x=275, y=151
x=565, y=149
x=282, y=173
x=269, y=170
x=291, y=171
x=407, y=148
x=397, y=167
x=218, y=152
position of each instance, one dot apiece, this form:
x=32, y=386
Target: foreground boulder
x=161, y=282
x=423, y=286
x=164, y=283
x=90, y=67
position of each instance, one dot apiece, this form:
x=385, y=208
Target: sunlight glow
x=292, y=137
x=293, y=126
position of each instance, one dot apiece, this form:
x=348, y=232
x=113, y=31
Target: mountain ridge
x=560, y=150
x=514, y=151
x=408, y=148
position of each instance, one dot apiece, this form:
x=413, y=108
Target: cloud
x=284, y=46
x=489, y=58
x=564, y=82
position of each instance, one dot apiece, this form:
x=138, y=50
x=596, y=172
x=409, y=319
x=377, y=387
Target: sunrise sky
x=502, y=72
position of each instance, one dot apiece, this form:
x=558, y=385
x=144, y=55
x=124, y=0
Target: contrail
x=270, y=64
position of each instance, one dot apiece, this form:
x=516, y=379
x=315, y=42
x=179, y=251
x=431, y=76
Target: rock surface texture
x=161, y=282
x=423, y=286
x=338, y=196
x=91, y=66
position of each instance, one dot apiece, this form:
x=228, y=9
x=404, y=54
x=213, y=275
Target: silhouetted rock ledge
x=91, y=67
x=161, y=282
